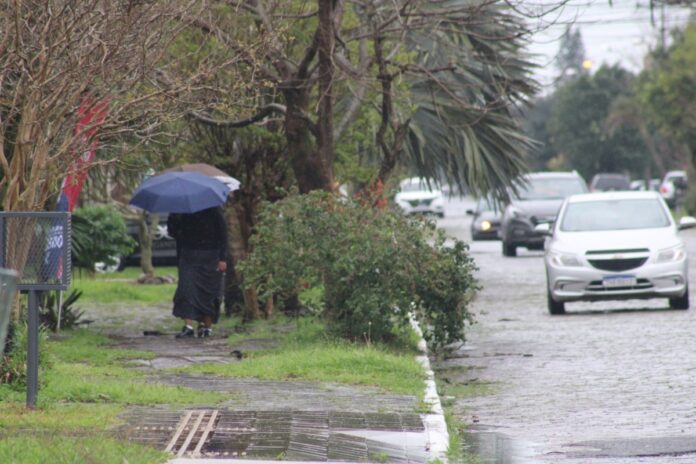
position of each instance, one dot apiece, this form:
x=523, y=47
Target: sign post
x=36, y=245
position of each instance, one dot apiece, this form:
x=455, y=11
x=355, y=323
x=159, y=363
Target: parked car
x=639, y=184
x=612, y=246
x=163, y=246
x=538, y=198
x=417, y=197
x=486, y=219
x=606, y=182
x=673, y=187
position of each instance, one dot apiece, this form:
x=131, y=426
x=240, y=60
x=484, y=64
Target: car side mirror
x=544, y=228
x=687, y=222
x=470, y=212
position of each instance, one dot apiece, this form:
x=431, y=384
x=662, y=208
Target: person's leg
x=187, y=331
x=206, y=327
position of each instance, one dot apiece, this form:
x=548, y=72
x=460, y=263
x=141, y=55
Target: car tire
x=681, y=302
x=555, y=307
x=509, y=249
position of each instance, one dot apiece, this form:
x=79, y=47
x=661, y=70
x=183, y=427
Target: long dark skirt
x=200, y=284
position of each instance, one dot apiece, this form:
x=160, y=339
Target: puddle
x=497, y=448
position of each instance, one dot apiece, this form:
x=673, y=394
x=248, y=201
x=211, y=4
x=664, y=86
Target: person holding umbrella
x=201, y=240
x=196, y=221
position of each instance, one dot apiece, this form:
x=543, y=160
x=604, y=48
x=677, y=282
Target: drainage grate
x=192, y=432
x=288, y=435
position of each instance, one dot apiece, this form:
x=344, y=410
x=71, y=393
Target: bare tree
x=59, y=55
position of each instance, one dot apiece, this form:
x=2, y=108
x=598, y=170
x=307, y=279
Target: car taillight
x=663, y=189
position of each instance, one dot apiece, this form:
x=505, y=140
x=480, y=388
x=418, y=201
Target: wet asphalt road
x=607, y=383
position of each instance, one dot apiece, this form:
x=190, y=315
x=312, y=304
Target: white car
x=612, y=246
x=672, y=185
x=416, y=197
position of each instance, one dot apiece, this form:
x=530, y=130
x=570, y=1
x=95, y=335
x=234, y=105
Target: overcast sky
x=618, y=33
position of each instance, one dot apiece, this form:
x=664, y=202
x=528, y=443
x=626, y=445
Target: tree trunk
x=325, y=48
x=146, y=233
x=307, y=163
x=234, y=294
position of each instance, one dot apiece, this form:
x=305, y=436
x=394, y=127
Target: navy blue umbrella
x=180, y=192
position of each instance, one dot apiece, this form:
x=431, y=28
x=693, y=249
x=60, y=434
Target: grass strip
x=32, y=449
x=307, y=352
x=122, y=287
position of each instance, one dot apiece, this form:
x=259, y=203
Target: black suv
x=539, y=197
x=163, y=246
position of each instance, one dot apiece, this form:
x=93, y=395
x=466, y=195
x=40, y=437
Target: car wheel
x=555, y=307
x=681, y=302
x=509, y=249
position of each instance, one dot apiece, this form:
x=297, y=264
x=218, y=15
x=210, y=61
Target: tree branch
x=263, y=112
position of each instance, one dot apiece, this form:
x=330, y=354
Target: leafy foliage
x=99, y=234
x=663, y=88
x=580, y=110
x=463, y=129
x=376, y=267
x=13, y=361
x=70, y=316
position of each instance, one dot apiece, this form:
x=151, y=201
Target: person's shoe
x=186, y=332
x=206, y=333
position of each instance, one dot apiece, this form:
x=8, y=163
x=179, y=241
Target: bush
x=99, y=234
x=13, y=361
x=376, y=267
x=69, y=315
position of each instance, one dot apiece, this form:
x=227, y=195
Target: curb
x=434, y=422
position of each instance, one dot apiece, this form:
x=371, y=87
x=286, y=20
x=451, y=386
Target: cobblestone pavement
x=608, y=383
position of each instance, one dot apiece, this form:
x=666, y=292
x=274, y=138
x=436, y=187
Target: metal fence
x=36, y=245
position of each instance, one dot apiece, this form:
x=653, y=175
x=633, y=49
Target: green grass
x=123, y=288
x=306, y=352
x=456, y=452
x=86, y=388
x=84, y=370
x=91, y=449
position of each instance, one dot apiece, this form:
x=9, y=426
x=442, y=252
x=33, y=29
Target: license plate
x=619, y=281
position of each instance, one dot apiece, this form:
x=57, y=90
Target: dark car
x=486, y=220
x=163, y=246
x=538, y=199
x=606, y=182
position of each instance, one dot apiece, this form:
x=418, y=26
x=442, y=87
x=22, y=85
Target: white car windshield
x=549, y=189
x=415, y=186
x=614, y=215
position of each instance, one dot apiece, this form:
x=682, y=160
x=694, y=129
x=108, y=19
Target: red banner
x=90, y=117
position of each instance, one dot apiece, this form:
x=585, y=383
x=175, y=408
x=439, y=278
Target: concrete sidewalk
x=267, y=421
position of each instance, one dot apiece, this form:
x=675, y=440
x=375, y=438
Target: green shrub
x=376, y=267
x=70, y=316
x=99, y=234
x=13, y=361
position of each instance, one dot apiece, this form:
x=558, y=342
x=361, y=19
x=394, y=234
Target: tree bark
x=307, y=162
x=146, y=233
x=325, y=45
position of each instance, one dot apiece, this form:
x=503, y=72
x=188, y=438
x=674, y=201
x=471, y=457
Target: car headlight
x=486, y=225
x=668, y=255
x=564, y=259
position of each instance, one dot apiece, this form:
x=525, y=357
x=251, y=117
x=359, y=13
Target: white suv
x=673, y=184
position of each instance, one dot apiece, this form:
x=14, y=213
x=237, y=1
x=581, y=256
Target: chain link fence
x=37, y=247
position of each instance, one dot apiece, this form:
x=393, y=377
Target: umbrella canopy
x=208, y=170
x=180, y=192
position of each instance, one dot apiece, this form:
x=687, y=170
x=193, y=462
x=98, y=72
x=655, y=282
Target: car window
x=611, y=183
x=614, y=215
x=486, y=204
x=550, y=189
x=415, y=186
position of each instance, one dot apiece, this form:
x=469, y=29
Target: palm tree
x=471, y=77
